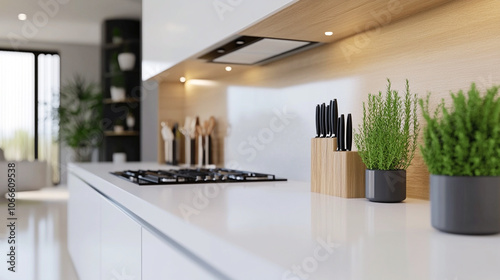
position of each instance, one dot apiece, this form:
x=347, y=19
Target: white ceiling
x=67, y=21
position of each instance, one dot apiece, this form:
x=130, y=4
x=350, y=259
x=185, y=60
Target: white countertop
x=264, y=230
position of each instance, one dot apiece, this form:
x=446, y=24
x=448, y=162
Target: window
x=29, y=90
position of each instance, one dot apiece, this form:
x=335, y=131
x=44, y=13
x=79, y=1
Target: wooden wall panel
x=309, y=19
x=171, y=108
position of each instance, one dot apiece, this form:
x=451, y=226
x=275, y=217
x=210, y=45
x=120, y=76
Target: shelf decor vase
x=465, y=204
x=117, y=40
x=126, y=61
x=118, y=128
x=130, y=122
x=119, y=157
x=385, y=185
x=117, y=93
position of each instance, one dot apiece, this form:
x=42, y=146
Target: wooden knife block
x=336, y=173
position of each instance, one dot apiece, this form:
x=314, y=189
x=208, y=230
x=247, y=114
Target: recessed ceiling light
x=228, y=68
x=240, y=42
x=328, y=33
x=221, y=51
x=21, y=16
x=182, y=79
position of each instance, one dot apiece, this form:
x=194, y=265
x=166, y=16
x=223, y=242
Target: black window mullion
x=36, y=105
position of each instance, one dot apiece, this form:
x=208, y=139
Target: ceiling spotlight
x=240, y=42
x=228, y=68
x=221, y=51
x=21, y=16
x=182, y=79
x=328, y=33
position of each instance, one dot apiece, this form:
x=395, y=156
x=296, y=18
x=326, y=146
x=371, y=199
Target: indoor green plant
x=117, y=36
x=118, y=126
x=114, y=64
x=117, y=89
x=386, y=142
x=126, y=59
x=80, y=114
x=462, y=152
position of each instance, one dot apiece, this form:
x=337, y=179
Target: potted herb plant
x=462, y=152
x=386, y=142
x=117, y=89
x=126, y=59
x=80, y=114
x=117, y=36
x=118, y=126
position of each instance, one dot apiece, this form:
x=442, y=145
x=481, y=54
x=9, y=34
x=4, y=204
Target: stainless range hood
x=248, y=50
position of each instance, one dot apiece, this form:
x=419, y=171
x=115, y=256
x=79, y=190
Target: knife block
x=322, y=150
x=337, y=173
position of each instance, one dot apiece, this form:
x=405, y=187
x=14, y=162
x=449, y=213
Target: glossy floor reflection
x=41, y=235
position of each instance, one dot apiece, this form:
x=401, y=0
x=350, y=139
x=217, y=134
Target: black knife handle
x=333, y=132
x=322, y=120
x=338, y=135
x=318, y=130
x=335, y=115
x=342, y=133
x=328, y=120
x=348, y=133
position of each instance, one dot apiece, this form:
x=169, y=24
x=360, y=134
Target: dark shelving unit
x=127, y=141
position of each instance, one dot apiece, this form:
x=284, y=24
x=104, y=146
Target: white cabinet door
x=173, y=30
x=161, y=260
x=120, y=244
x=84, y=223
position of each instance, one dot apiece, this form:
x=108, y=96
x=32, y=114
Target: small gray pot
x=465, y=205
x=385, y=185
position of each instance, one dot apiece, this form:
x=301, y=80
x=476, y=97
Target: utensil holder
x=337, y=173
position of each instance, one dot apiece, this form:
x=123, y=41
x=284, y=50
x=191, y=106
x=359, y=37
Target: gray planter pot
x=385, y=185
x=465, y=205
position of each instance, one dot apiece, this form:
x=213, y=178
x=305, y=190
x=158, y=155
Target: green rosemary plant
x=463, y=140
x=386, y=139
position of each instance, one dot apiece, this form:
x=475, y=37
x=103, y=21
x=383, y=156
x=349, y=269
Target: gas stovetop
x=193, y=176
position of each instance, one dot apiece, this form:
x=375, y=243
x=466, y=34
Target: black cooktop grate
x=193, y=176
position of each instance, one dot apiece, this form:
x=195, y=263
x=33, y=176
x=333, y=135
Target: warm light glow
x=200, y=82
x=328, y=33
x=21, y=16
x=228, y=68
x=182, y=79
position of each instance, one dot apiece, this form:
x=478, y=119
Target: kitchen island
x=257, y=230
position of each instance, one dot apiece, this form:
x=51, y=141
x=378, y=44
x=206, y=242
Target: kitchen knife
x=338, y=135
x=335, y=112
x=348, y=133
x=318, y=131
x=328, y=121
x=322, y=120
x=342, y=133
x=332, y=120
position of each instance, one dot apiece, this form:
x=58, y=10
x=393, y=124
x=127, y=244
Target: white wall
x=271, y=129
